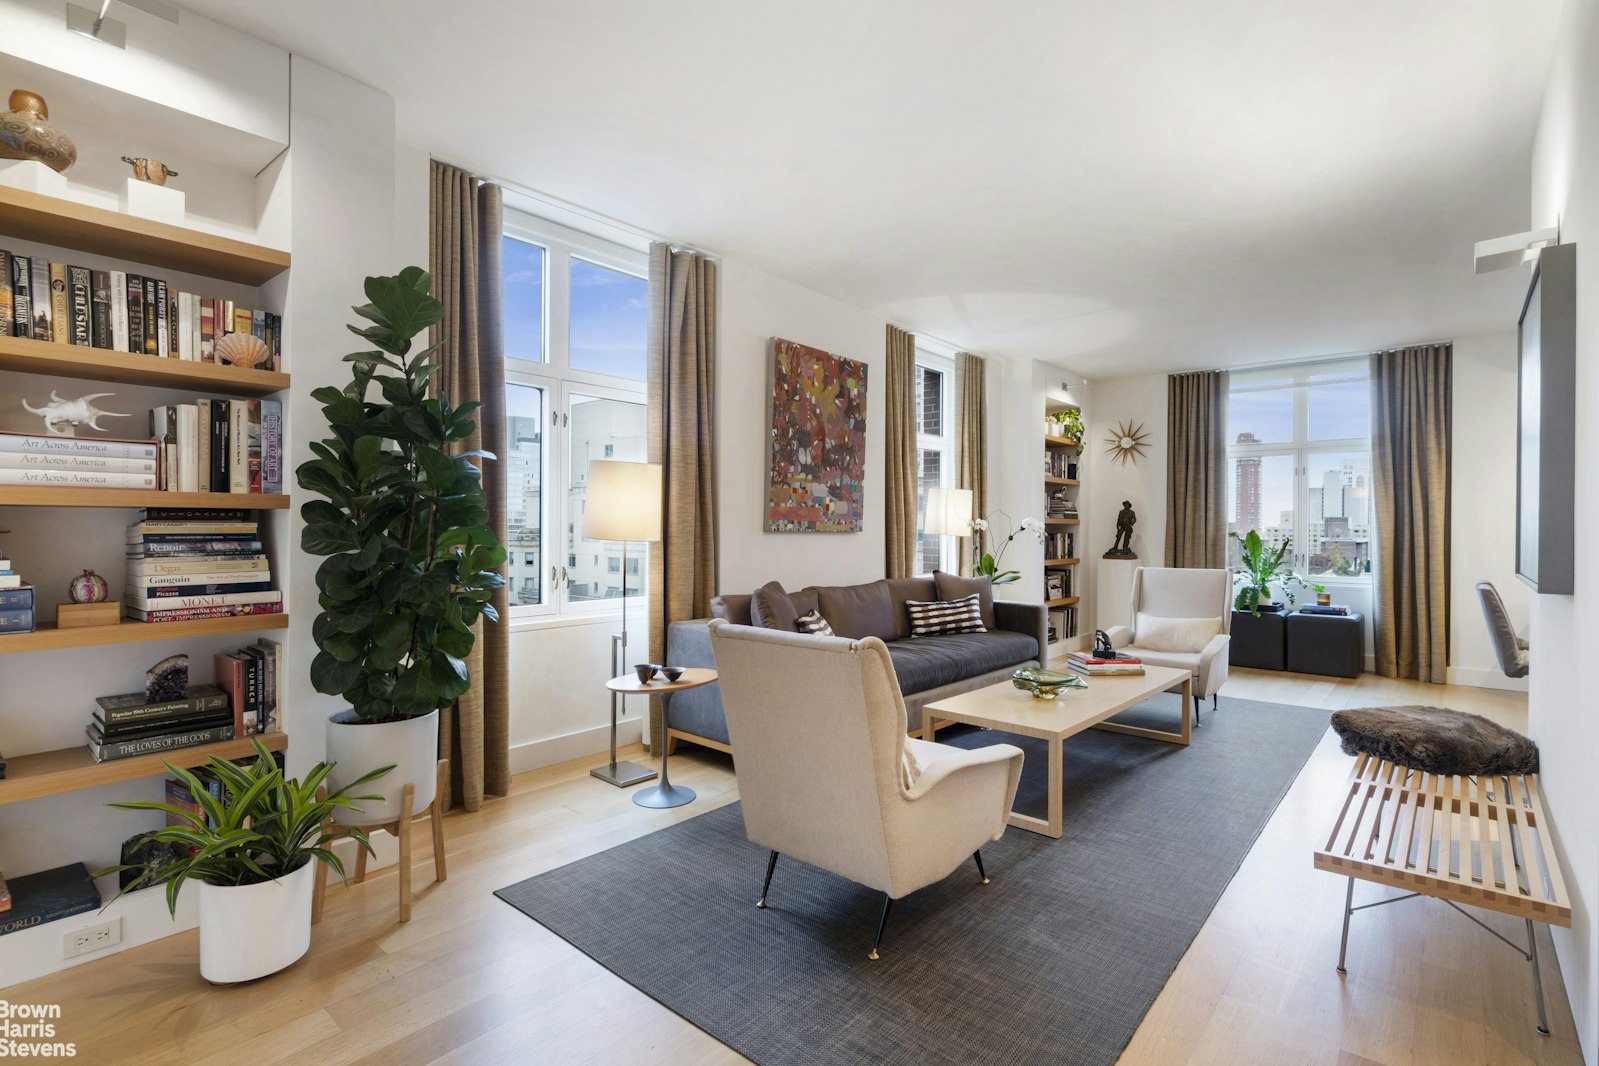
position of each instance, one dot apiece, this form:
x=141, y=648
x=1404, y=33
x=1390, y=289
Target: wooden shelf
x=1060, y=442
x=48, y=638
x=27, y=356
x=1065, y=601
x=1062, y=521
x=1051, y=480
x=50, y=773
x=35, y=217
x=55, y=496
x=1073, y=561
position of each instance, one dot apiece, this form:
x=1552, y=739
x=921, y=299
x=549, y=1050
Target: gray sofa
x=928, y=668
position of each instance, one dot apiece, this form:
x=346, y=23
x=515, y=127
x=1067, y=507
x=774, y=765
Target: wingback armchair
x=1181, y=618
x=827, y=775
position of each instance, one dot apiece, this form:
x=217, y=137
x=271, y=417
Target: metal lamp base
x=622, y=774
x=663, y=796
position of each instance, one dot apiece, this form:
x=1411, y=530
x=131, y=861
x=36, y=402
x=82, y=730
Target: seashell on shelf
x=244, y=349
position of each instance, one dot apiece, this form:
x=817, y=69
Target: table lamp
x=623, y=503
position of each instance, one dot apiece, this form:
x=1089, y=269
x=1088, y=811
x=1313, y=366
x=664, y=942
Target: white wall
x=1108, y=403
x=1565, y=629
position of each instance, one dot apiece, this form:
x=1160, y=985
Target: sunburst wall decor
x=1127, y=442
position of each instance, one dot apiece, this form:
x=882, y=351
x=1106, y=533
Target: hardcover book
x=6, y=312
x=49, y=896
x=99, y=732
x=271, y=446
x=134, y=707
x=135, y=301
x=186, y=614
x=164, y=326
x=83, y=479
x=221, y=444
x=208, y=317
x=101, y=334
x=80, y=295
x=119, y=311
x=21, y=296
x=152, y=318
x=128, y=749
x=43, y=304
x=93, y=463
x=125, y=448
x=238, y=446
x=16, y=621
x=60, y=305
x=252, y=414
x=17, y=599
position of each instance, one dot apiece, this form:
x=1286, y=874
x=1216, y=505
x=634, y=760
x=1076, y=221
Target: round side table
x=664, y=794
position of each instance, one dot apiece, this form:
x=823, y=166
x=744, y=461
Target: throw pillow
x=770, y=608
x=953, y=587
x=942, y=617
x=813, y=623
x=1186, y=635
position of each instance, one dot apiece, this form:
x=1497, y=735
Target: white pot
x=249, y=931
x=410, y=746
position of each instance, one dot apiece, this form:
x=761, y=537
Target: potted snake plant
x=410, y=561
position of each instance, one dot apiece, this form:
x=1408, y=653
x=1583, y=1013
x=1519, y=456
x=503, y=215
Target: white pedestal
x=31, y=175
x=1113, y=594
x=154, y=202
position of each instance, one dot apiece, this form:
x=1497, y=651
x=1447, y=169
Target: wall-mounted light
x=1514, y=250
x=94, y=24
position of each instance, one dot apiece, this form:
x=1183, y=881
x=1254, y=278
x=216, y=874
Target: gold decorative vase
x=24, y=133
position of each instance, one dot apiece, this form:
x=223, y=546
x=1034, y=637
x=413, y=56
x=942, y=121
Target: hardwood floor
x=469, y=980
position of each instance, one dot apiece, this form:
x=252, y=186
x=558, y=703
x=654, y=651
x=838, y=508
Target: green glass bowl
x=1044, y=684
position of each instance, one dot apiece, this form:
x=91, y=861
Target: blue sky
x=608, y=315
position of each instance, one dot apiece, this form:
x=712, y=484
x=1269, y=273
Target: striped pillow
x=813, y=623
x=939, y=617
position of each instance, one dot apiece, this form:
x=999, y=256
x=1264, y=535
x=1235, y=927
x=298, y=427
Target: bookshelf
x=1063, y=478
x=143, y=246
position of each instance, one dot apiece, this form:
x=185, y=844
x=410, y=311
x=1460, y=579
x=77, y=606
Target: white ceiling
x=1113, y=187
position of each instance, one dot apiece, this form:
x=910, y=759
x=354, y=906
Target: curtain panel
x=901, y=475
x=971, y=437
x=1411, y=401
x=464, y=259
x=682, y=432
x=1196, y=469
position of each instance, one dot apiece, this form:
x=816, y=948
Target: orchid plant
x=986, y=563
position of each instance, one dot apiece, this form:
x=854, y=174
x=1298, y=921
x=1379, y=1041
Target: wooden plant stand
x=401, y=828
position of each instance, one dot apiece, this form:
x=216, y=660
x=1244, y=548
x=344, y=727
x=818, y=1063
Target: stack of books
x=49, y=896
x=77, y=462
x=1057, y=584
x=220, y=446
x=127, y=726
x=251, y=677
x=1085, y=662
x=123, y=312
x=1315, y=608
x=183, y=565
x=16, y=600
x=1058, y=506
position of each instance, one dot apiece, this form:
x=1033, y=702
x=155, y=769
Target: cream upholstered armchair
x=1181, y=618
x=828, y=776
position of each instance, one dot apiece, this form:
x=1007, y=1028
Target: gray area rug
x=1056, y=960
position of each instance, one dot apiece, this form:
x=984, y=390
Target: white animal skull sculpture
x=61, y=417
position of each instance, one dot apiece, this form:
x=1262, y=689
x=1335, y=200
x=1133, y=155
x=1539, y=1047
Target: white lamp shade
x=949, y=512
x=624, y=501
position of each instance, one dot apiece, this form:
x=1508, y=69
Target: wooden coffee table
x=1005, y=707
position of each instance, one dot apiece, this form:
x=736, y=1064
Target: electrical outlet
x=91, y=938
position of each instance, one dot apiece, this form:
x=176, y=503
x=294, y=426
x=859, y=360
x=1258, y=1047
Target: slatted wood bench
x=1473, y=840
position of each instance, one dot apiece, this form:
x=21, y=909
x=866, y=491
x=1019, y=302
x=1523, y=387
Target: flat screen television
x=1546, y=424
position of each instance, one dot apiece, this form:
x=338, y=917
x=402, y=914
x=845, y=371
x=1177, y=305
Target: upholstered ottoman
x=1331, y=644
x=1259, y=643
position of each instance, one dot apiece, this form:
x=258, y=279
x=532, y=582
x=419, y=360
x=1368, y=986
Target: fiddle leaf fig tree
x=411, y=562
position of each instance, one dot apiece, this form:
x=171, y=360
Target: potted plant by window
x=411, y=562
x=1261, y=567
x=254, y=854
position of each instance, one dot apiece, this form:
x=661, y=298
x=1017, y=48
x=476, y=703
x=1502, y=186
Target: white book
x=194, y=326
x=238, y=447
x=180, y=338
x=119, y=310
x=176, y=603
x=188, y=448
x=245, y=578
x=204, y=451
x=10, y=581
x=127, y=449
x=149, y=567
x=101, y=463
x=76, y=479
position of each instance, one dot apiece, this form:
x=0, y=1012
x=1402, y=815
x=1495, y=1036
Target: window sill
x=531, y=623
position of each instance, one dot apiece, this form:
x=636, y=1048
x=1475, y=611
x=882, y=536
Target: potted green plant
x=1261, y=567
x=1067, y=423
x=986, y=563
x=411, y=563
x=253, y=853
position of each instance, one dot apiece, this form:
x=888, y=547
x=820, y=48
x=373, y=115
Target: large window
x=935, y=454
x=1299, y=459
x=575, y=313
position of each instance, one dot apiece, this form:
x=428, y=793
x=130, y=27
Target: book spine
x=163, y=427
x=188, y=448
x=258, y=325
x=135, y=290
x=125, y=449
x=234, y=515
x=208, y=318
x=60, y=305
x=127, y=749
x=11, y=923
x=220, y=423
x=145, y=712
x=7, y=311
x=184, y=328
x=252, y=565
x=252, y=689
x=199, y=549
x=152, y=319
x=202, y=450
x=80, y=293
x=22, y=295
x=186, y=614
x=87, y=479
x=82, y=463
x=119, y=310
x=271, y=446
x=242, y=319
x=163, y=322
x=252, y=413
x=156, y=727
x=238, y=446
x=163, y=597
x=157, y=580
x=16, y=599
x=16, y=620
x=100, y=308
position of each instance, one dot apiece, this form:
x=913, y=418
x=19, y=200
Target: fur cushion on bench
x=1436, y=740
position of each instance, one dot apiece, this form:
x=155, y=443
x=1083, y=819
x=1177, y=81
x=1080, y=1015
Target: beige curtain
x=1196, y=469
x=900, y=524
x=682, y=429
x=971, y=437
x=1410, y=414
x=464, y=259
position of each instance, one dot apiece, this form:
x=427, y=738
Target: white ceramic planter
x=411, y=747
x=250, y=931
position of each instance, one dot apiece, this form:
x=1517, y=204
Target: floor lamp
x=623, y=504
x=948, y=514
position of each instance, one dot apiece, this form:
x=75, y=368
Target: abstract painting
x=818, y=466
